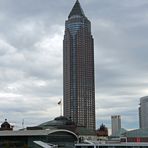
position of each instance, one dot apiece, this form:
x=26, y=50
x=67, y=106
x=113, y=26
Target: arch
x=66, y=131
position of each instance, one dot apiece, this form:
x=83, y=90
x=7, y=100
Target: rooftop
x=76, y=10
x=137, y=133
x=33, y=132
x=58, y=121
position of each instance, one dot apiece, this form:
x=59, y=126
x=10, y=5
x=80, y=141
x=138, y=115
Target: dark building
x=58, y=123
x=102, y=131
x=137, y=135
x=5, y=126
x=66, y=124
x=78, y=69
x=31, y=138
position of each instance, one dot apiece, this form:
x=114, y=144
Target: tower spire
x=76, y=10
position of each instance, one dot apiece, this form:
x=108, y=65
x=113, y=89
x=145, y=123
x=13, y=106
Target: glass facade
x=78, y=69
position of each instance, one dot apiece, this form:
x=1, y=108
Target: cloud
x=31, y=37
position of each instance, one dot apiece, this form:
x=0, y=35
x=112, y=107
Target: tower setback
x=78, y=69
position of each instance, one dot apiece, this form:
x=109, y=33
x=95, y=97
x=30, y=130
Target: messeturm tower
x=78, y=69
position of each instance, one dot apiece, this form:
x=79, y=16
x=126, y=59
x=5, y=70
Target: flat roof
x=137, y=133
x=114, y=144
x=33, y=132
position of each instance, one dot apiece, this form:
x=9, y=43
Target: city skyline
x=31, y=36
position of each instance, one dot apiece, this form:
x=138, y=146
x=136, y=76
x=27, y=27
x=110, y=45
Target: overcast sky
x=31, y=68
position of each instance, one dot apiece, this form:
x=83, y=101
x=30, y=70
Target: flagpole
x=60, y=103
x=61, y=107
x=23, y=123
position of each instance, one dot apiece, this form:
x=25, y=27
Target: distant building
x=116, y=124
x=143, y=112
x=78, y=69
x=137, y=135
x=128, y=139
x=64, y=123
x=119, y=133
x=102, y=131
x=57, y=123
x=6, y=126
x=98, y=144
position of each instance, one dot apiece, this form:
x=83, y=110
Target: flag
x=59, y=103
x=23, y=123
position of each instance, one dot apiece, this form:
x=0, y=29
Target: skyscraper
x=143, y=112
x=78, y=69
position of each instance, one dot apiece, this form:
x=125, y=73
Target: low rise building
x=66, y=123
x=6, y=126
x=29, y=138
x=102, y=131
x=138, y=135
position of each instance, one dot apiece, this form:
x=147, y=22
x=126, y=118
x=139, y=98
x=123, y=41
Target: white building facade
x=143, y=112
x=116, y=124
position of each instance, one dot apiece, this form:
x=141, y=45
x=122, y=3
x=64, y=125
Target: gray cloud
x=31, y=35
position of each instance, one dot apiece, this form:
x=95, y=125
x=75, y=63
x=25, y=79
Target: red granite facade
x=78, y=69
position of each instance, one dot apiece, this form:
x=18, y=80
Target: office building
x=116, y=124
x=78, y=69
x=143, y=112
